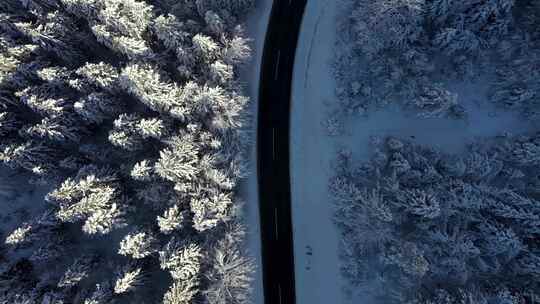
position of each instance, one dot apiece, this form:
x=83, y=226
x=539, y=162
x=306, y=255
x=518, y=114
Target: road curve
x=273, y=150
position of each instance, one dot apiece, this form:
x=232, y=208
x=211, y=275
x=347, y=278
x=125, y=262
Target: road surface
x=273, y=150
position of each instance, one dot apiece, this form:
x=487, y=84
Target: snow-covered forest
x=407, y=51
x=422, y=226
x=124, y=136
x=419, y=224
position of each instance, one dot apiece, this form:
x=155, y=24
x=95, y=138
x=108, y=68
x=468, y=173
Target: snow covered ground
x=315, y=237
x=256, y=30
x=318, y=278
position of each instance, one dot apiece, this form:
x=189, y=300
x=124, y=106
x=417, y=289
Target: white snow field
x=316, y=238
x=256, y=30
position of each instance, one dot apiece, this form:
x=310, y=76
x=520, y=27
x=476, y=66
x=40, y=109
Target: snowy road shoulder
x=256, y=26
x=315, y=236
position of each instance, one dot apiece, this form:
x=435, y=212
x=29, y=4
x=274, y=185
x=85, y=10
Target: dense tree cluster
x=420, y=225
x=517, y=82
x=132, y=113
x=423, y=226
x=404, y=51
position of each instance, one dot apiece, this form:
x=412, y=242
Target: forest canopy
x=423, y=226
x=419, y=224
x=407, y=52
x=132, y=114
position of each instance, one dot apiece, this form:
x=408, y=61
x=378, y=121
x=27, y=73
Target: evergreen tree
x=128, y=279
x=137, y=245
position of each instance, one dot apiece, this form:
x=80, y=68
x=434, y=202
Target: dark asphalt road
x=273, y=150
